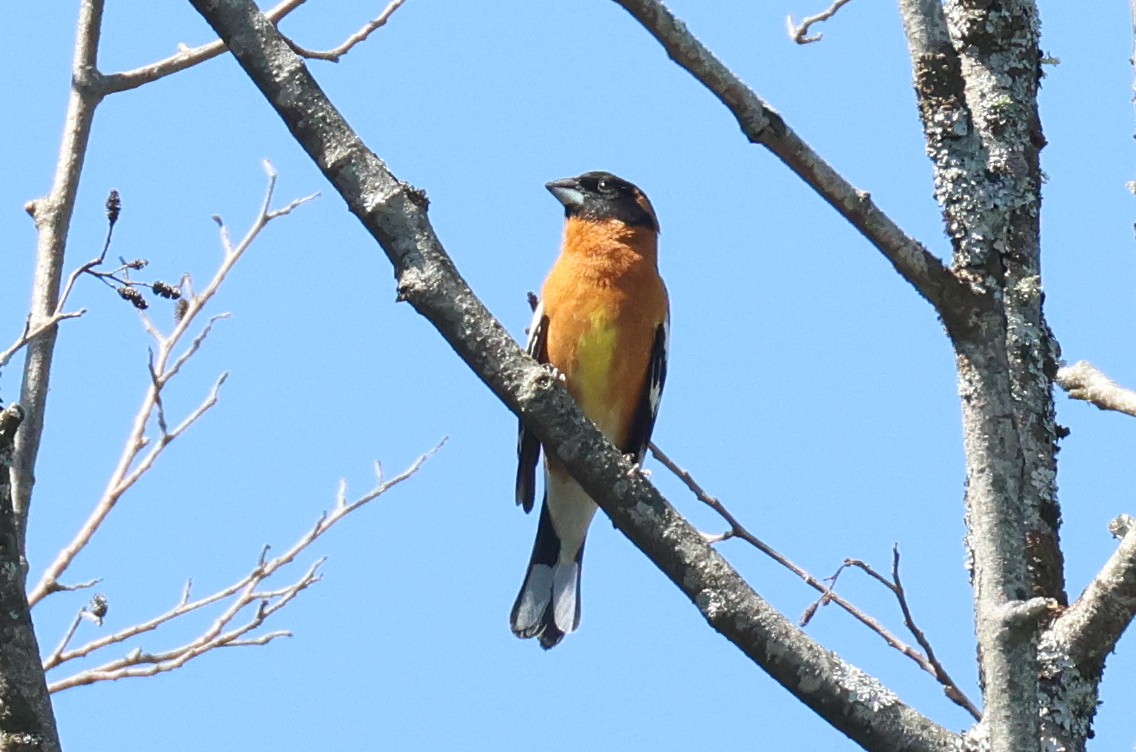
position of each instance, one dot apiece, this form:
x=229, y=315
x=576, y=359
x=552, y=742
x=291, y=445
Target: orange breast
x=605, y=300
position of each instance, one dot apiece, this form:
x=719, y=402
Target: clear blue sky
x=810, y=388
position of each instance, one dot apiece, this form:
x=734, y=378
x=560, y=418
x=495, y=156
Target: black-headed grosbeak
x=602, y=323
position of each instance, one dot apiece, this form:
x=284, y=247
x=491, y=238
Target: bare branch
x=395, y=215
x=133, y=463
x=185, y=58
x=1089, y=629
x=763, y=125
x=800, y=34
x=52, y=215
x=828, y=594
x=245, y=593
x=1082, y=381
x=27, y=721
x=361, y=35
x=29, y=335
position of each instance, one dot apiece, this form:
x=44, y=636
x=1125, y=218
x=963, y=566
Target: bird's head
x=601, y=196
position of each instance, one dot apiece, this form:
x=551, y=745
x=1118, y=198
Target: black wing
x=648, y=408
x=528, y=446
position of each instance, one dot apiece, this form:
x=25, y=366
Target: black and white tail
x=548, y=606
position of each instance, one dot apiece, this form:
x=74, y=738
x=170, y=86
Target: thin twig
x=30, y=335
x=133, y=463
x=828, y=595
x=186, y=57
x=361, y=35
x=800, y=34
x=930, y=663
x=220, y=633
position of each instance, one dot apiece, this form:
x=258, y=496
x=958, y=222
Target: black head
x=600, y=196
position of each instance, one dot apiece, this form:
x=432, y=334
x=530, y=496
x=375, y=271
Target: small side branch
x=929, y=663
x=1090, y=628
x=141, y=451
x=31, y=334
x=800, y=34
x=1082, y=381
x=187, y=57
x=360, y=36
x=828, y=594
x=249, y=606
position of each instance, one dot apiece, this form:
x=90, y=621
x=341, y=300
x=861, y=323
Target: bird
x=602, y=324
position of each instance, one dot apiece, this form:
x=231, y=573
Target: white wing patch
x=535, y=333
x=659, y=370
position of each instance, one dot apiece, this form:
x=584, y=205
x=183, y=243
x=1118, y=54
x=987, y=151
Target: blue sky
x=809, y=388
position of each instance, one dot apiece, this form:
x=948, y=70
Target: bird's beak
x=567, y=191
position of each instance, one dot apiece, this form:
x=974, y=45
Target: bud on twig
x=113, y=207
x=165, y=290
x=135, y=297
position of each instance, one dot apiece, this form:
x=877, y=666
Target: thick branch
x=762, y=125
x=27, y=723
x=394, y=214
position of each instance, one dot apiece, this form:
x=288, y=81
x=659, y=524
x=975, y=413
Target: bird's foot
x=555, y=373
x=636, y=467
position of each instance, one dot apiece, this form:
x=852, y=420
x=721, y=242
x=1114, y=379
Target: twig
x=133, y=463
x=800, y=34
x=29, y=335
x=737, y=530
x=1082, y=381
x=186, y=57
x=221, y=633
x=930, y=663
x=361, y=35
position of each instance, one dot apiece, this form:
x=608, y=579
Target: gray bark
x=27, y=723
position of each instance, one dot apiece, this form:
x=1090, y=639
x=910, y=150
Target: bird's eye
x=605, y=186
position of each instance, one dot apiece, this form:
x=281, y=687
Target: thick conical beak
x=567, y=191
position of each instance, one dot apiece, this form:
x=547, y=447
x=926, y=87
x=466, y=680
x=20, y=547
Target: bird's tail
x=548, y=606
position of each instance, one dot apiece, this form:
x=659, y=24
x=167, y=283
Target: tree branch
x=763, y=125
x=800, y=34
x=394, y=214
x=27, y=722
x=185, y=58
x=1082, y=381
x=52, y=215
x=828, y=593
x=135, y=461
x=225, y=630
x=1089, y=629
x=976, y=81
x=360, y=36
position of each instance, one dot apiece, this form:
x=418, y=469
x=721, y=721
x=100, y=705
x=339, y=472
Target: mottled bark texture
x=395, y=214
x=976, y=68
x=27, y=723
